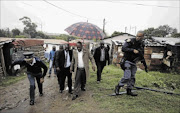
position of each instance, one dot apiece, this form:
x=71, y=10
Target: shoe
x=41, y=94
x=31, y=102
x=70, y=91
x=98, y=82
x=74, y=97
x=83, y=89
x=130, y=93
x=49, y=76
x=61, y=91
x=117, y=87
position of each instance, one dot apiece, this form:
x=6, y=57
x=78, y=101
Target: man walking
x=63, y=63
x=51, y=58
x=101, y=56
x=133, y=52
x=34, y=66
x=80, y=65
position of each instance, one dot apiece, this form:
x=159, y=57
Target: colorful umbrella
x=85, y=30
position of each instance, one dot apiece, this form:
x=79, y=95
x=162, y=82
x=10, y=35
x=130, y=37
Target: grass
x=146, y=101
x=9, y=80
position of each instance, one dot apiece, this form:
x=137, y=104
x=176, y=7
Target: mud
x=15, y=99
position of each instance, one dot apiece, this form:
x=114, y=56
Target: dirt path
x=15, y=99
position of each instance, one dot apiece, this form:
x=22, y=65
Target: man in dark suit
x=63, y=63
x=101, y=56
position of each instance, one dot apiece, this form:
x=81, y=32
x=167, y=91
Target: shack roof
x=4, y=41
x=28, y=43
x=170, y=41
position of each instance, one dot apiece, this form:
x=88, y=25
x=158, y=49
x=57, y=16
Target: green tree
x=15, y=32
x=30, y=27
x=161, y=31
x=176, y=35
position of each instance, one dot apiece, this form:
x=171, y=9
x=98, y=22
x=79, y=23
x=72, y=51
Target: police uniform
x=33, y=71
x=130, y=64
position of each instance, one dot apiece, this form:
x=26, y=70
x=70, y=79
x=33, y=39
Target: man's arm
x=72, y=62
x=57, y=59
x=126, y=47
x=92, y=60
x=44, y=68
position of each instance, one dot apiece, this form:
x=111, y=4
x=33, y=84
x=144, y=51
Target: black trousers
x=65, y=72
x=80, y=80
x=100, y=65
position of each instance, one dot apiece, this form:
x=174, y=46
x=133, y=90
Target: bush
x=20, y=36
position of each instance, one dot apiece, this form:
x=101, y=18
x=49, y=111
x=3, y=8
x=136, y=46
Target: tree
x=30, y=27
x=176, y=35
x=161, y=31
x=15, y=32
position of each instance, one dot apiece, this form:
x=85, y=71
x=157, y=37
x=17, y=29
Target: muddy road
x=15, y=99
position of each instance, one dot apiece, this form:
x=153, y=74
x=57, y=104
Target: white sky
x=118, y=14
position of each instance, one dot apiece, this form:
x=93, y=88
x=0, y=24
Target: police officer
x=34, y=66
x=133, y=52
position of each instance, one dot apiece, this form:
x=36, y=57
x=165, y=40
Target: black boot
x=130, y=93
x=31, y=102
x=117, y=87
x=32, y=94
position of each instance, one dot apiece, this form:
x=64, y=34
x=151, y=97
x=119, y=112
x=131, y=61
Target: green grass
x=9, y=80
x=146, y=101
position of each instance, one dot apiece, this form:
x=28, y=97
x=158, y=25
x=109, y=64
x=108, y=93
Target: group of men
x=66, y=61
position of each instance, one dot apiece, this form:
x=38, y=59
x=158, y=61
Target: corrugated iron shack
x=6, y=48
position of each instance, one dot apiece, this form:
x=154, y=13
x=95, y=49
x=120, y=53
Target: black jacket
x=35, y=69
x=128, y=48
x=97, y=55
x=60, y=59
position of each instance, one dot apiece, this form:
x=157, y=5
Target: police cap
x=28, y=55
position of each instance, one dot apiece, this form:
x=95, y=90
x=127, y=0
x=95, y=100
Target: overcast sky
x=118, y=14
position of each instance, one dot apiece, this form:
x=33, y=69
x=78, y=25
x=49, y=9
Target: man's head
x=79, y=46
x=54, y=48
x=28, y=57
x=61, y=47
x=102, y=44
x=140, y=36
x=67, y=47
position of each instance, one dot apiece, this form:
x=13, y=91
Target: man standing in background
x=51, y=58
x=101, y=56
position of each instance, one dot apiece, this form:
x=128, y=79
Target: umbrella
x=85, y=30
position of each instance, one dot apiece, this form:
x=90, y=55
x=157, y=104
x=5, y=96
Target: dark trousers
x=65, y=72
x=80, y=80
x=100, y=65
x=32, y=85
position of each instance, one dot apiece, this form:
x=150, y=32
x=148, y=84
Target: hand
x=58, y=69
x=41, y=80
x=70, y=70
x=135, y=51
x=93, y=67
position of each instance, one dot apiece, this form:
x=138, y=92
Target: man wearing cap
x=34, y=66
x=101, y=57
x=133, y=52
x=63, y=63
x=51, y=58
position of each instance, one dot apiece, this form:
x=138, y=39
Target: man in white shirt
x=80, y=65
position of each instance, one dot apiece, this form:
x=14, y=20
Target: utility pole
x=104, y=23
x=130, y=30
x=125, y=29
x=135, y=30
